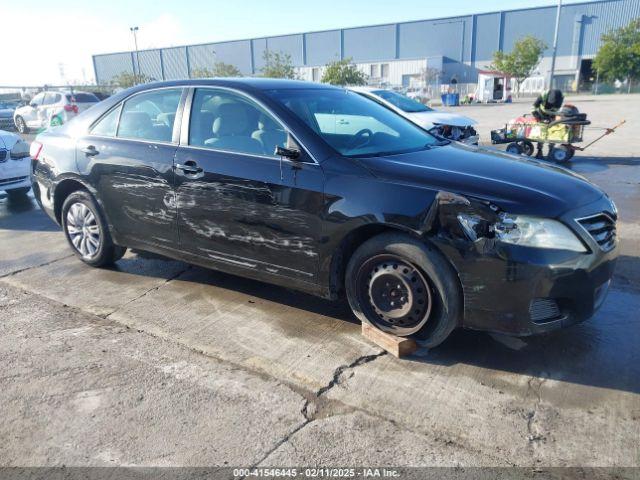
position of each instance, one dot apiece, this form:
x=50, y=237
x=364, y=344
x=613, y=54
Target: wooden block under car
x=396, y=346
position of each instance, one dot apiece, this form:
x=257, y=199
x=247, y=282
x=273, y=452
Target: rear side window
x=108, y=125
x=83, y=98
x=150, y=116
x=52, y=98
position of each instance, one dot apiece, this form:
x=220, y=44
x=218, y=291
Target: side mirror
x=289, y=153
x=33, y=105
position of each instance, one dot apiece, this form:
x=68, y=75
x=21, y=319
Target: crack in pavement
x=145, y=293
x=16, y=272
x=531, y=415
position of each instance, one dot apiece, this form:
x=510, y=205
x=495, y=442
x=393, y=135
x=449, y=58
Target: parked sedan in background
x=6, y=115
x=266, y=179
x=448, y=125
x=15, y=165
x=52, y=108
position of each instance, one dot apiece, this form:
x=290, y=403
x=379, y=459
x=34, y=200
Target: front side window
x=108, y=125
x=150, y=115
x=224, y=120
x=352, y=124
x=37, y=100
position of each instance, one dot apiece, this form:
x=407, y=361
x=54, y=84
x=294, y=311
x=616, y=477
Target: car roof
x=239, y=82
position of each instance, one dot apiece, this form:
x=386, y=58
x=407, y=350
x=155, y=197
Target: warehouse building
x=446, y=51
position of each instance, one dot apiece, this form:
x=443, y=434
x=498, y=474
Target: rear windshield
x=82, y=98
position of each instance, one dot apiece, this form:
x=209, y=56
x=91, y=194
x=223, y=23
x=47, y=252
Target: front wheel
x=87, y=232
x=403, y=286
x=21, y=125
x=561, y=153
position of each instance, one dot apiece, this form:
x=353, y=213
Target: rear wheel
x=514, y=148
x=404, y=287
x=87, y=232
x=528, y=148
x=21, y=126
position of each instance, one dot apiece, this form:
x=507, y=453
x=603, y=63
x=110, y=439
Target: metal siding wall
x=370, y=43
x=202, y=56
x=539, y=23
x=175, y=63
x=259, y=47
x=111, y=65
x=487, y=36
x=237, y=54
x=150, y=64
x=291, y=44
x=323, y=47
x=581, y=27
x=432, y=38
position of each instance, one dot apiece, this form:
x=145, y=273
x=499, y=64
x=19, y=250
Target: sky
x=52, y=42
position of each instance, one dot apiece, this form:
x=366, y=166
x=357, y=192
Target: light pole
x=134, y=30
x=555, y=44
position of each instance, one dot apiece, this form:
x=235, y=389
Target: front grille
x=7, y=181
x=3, y=155
x=543, y=310
x=602, y=229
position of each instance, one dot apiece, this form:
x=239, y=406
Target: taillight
x=35, y=149
x=71, y=108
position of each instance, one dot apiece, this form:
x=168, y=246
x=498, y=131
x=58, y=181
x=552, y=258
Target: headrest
x=135, y=121
x=267, y=123
x=167, y=119
x=232, y=120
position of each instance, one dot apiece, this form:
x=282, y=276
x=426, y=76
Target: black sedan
x=316, y=188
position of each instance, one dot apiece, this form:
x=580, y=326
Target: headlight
x=20, y=150
x=536, y=232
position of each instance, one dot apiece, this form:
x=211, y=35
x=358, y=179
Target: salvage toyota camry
x=265, y=179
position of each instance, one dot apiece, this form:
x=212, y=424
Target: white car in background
x=52, y=108
x=15, y=165
x=445, y=124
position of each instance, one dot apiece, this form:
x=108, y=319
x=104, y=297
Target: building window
x=375, y=70
x=384, y=70
x=315, y=74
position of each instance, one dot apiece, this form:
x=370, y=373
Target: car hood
x=515, y=184
x=429, y=119
x=8, y=139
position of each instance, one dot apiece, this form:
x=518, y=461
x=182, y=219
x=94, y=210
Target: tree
x=278, y=65
x=220, y=69
x=343, y=72
x=619, y=56
x=522, y=59
x=128, y=79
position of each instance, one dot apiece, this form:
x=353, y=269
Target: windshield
x=405, y=104
x=352, y=124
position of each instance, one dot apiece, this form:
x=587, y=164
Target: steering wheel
x=361, y=138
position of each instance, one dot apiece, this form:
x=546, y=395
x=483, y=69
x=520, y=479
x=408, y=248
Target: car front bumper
x=523, y=291
x=14, y=173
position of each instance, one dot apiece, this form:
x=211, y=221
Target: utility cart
x=560, y=135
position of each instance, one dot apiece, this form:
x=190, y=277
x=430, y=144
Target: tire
x=428, y=289
x=560, y=153
x=18, y=193
x=21, y=126
x=527, y=148
x=87, y=232
x=514, y=148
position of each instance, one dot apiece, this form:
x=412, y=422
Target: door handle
x=189, y=167
x=90, y=151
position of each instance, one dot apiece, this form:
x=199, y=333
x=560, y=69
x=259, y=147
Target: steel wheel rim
x=21, y=125
x=83, y=230
x=395, y=294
